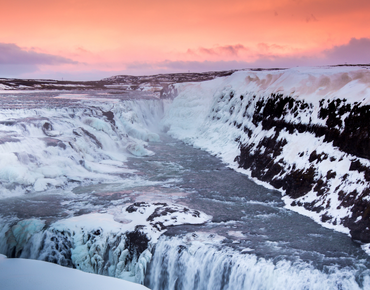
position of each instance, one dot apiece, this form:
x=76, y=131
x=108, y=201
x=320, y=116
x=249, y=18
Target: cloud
x=201, y=65
x=12, y=54
x=357, y=51
x=266, y=61
x=15, y=71
x=229, y=50
x=19, y=62
x=168, y=66
x=277, y=61
x=72, y=75
x=264, y=47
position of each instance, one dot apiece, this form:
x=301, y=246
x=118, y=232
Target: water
x=252, y=242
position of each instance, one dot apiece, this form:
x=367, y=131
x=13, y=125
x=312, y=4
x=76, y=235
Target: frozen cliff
x=305, y=131
x=116, y=244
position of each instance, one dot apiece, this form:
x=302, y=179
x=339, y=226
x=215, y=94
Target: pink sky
x=92, y=39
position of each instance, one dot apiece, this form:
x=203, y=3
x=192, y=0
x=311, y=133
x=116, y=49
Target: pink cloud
x=18, y=62
x=226, y=50
x=11, y=54
x=357, y=51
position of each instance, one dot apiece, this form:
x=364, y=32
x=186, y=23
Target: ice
x=4, y=87
x=118, y=243
x=18, y=235
x=41, y=184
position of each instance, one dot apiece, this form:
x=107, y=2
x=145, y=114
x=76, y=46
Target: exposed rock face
x=345, y=126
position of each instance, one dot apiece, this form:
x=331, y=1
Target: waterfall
x=178, y=265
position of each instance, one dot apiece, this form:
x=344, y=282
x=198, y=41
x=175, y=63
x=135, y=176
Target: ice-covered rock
x=118, y=244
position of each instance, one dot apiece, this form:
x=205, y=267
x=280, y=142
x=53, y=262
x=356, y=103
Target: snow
x=4, y=87
x=83, y=145
x=25, y=274
x=138, y=150
x=124, y=220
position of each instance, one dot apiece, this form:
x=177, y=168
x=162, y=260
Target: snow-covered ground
x=22, y=274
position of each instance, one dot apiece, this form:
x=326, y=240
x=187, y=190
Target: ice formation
x=117, y=245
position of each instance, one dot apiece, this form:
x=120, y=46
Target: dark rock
x=159, y=212
x=92, y=137
x=110, y=117
x=54, y=142
x=346, y=125
x=136, y=243
x=134, y=207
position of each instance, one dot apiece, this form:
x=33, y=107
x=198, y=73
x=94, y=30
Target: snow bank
x=21, y=274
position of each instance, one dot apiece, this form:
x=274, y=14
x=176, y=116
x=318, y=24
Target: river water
x=252, y=242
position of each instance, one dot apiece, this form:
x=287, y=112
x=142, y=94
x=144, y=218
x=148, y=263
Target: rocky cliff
x=305, y=131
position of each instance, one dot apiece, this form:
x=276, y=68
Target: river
x=251, y=242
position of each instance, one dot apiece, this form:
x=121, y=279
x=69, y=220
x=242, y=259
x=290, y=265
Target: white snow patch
x=21, y=274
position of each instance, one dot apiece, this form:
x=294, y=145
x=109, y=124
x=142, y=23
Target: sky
x=91, y=39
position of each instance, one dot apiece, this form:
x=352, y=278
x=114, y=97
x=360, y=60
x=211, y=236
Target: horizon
x=189, y=72
x=92, y=40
